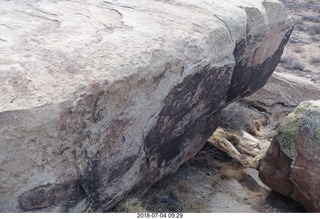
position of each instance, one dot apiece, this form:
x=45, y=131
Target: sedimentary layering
x=291, y=165
x=283, y=92
x=100, y=99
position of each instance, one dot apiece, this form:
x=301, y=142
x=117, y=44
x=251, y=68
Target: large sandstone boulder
x=292, y=163
x=100, y=99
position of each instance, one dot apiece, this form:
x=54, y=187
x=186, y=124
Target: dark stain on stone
x=51, y=195
x=96, y=112
x=246, y=80
x=99, y=176
x=190, y=107
x=240, y=49
x=119, y=169
x=96, y=182
x=92, y=178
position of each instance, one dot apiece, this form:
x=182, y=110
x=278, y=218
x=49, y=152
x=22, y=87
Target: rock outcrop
x=283, y=92
x=100, y=99
x=291, y=165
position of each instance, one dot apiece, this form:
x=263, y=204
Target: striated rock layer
x=281, y=94
x=291, y=165
x=100, y=99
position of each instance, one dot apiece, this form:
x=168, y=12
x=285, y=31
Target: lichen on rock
x=286, y=135
x=299, y=109
x=310, y=119
x=305, y=116
x=298, y=137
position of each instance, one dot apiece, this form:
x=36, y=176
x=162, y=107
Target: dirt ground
x=302, y=53
x=213, y=181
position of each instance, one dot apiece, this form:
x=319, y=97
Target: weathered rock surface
x=102, y=98
x=284, y=92
x=291, y=165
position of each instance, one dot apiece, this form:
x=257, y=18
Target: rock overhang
x=102, y=96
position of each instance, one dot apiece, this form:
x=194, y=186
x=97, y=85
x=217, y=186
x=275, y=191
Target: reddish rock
x=277, y=171
x=291, y=165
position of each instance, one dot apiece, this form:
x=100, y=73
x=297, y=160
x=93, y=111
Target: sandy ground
x=214, y=182
x=303, y=49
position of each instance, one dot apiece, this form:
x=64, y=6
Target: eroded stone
x=101, y=99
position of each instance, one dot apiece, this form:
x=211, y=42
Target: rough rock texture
x=282, y=93
x=102, y=98
x=287, y=90
x=291, y=165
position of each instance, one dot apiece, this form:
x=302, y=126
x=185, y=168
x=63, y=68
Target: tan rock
x=103, y=98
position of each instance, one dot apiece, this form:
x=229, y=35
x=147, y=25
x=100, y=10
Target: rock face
x=282, y=93
x=291, y=165
x=286, y=90
x=100, y=99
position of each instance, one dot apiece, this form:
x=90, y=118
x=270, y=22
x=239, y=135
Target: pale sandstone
x=102, y=98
